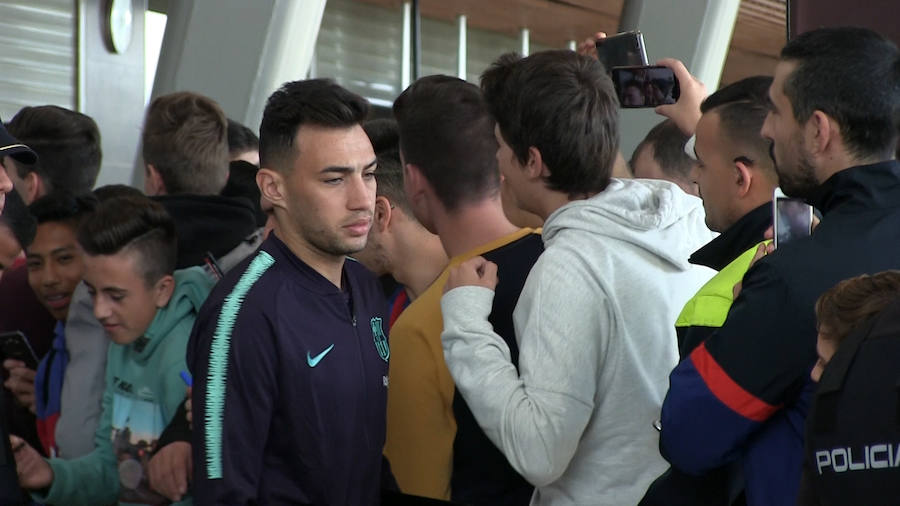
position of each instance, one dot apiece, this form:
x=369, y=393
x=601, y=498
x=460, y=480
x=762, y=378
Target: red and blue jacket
x=743, y=394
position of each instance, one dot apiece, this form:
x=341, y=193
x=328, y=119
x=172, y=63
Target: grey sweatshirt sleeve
x=535, y=415
x=83, y=383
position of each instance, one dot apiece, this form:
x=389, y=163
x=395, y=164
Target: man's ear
x=534, y=165
x=271, y=186
x=414, y=182
x=820, y=132
x=743, y=176
x=383, y=214
x=34, y=187
x=153, y=182
x=163, y=290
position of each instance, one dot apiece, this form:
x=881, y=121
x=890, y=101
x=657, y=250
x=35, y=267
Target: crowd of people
x=470, y=303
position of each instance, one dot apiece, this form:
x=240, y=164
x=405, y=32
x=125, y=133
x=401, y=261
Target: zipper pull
x=354, y=320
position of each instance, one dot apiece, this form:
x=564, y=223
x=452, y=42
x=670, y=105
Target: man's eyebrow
x=62, y=249
x=346, y=170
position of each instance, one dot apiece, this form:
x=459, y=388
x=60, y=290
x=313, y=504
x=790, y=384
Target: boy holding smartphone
x=147, y=310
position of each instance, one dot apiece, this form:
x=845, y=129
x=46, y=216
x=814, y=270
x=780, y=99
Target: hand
x=761, y=251
x=187, y=408
x=686, y=111
x=171, y=469
x=588, y=46
x=34, y=472
x=20, y=382
x=473, y=272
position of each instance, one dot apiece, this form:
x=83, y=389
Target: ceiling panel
x=759, y=33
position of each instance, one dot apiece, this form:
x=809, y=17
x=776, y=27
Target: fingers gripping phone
x=15, y=345
x=622, y=50
x=792, y=218
x=645, y=86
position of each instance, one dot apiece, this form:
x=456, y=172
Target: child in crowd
x=147, y=309
x=55, y=268
x=848, y=304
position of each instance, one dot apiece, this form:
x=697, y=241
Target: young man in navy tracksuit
x=290, y=355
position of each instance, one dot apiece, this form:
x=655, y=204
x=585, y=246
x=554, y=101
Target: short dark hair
x=133, y=222
x=853, y=301
x=853, y=76
x=319, y=102
x=67, y=144
x=62, y=206
x=742, y=107
x=563, y=104
x=18, y=219
x=110, y=191
x=384, y=134
x=240, y=139
x=668, y=142
x=185, y=139
x=446, y=129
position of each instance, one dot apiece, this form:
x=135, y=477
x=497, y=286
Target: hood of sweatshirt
x=191, y=289
x=653, y=215
x=208, y=223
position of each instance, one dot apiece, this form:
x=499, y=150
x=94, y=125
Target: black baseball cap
x=10, y=146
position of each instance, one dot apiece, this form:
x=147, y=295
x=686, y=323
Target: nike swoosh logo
x=314, y=361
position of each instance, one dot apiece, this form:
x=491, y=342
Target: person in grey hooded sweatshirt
x=594, y=322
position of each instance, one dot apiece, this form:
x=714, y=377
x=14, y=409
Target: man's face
x=331, y=189
x=375, y=255
x=6, y=184
x=825, y=349
x=715, y=173
x=9, y=247
x=796, y=174
x=55, y=266
x=123, y=301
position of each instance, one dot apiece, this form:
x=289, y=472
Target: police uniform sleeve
x=743, y=374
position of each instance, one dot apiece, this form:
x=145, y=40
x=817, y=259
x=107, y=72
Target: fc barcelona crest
x=381, y=342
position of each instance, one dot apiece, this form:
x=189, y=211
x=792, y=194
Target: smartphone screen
x=645, y=86
x=622, y=50
x=792, y=217
x=15, y=345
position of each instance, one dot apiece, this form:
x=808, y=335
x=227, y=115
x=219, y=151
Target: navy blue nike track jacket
x=290, y=385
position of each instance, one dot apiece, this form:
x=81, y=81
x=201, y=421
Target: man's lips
x=57, y=300
x=109, y=327
x=359, y=227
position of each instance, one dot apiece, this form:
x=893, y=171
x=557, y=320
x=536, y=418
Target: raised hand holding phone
x=685, y=112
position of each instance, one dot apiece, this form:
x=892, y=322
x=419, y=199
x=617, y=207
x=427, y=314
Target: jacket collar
x=738, y=238
x=861, y=187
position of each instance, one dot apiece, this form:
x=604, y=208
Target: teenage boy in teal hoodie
x=147, y=309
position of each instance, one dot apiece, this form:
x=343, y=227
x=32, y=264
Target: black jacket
x=750, y=378
x=208, y=223
x=853, y=429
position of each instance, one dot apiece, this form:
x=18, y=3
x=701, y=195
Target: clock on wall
x=118, y=24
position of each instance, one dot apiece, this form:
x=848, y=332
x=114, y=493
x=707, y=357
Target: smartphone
x=792, y=218
x=622, y=50
x=645, y=86
x=15, y=345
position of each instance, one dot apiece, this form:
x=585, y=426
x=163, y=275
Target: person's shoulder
x=523, y=251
